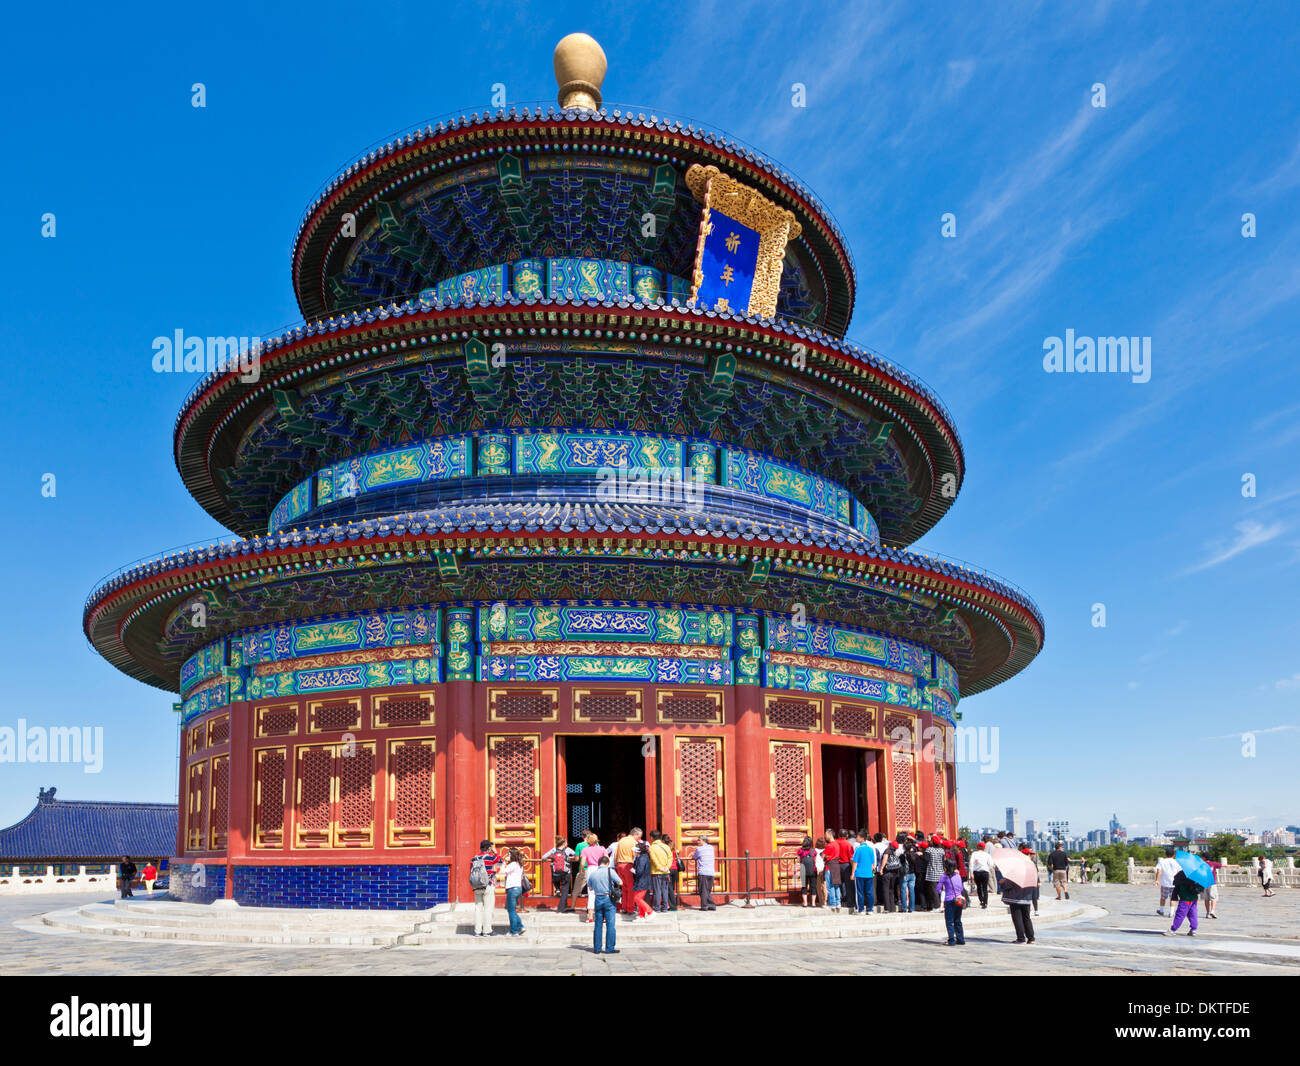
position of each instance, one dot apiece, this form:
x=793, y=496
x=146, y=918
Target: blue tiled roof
x=76, y=829
x=470, y=517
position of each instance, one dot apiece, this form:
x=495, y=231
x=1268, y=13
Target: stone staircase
x=450, y=927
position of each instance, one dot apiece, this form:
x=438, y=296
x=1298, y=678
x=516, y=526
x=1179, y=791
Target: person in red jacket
x=844, y=845
x=148, y=876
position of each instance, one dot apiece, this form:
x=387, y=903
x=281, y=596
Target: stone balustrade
x=1285, y=874
x=57, y=877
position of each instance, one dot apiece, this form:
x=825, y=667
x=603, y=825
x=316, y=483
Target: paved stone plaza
x=1118, y=933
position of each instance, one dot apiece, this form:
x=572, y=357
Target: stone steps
x=197, y=915
x=451, y=926
x=75, y=921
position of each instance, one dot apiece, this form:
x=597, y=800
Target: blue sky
x=1082, y=488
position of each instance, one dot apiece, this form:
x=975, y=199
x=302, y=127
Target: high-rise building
x=1013, y=821
x=1031, y=828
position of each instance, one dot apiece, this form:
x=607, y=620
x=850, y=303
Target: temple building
x=78, y=844
x=568, y=505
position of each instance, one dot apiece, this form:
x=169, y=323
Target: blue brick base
x=389, y=888
x=210, y=878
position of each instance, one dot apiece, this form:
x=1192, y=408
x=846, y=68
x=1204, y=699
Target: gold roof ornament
x=775, y=225
x=580, y=67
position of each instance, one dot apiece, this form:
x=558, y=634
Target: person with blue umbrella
x=1194, y=874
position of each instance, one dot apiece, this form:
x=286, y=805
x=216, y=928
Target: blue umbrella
x=1195, y=868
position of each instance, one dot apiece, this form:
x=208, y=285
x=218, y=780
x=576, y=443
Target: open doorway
x=849, y=787
x=605, y=785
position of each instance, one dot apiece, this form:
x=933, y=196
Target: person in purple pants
x=1185, y=893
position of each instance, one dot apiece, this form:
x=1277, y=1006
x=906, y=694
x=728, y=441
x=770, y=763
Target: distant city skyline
x=1081, y=827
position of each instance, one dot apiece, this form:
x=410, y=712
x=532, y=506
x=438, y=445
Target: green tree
x=1226, y=848
x=1116, y=856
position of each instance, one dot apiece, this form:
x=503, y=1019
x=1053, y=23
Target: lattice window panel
x=397, y=711
x=219, y=731
x=579, y=819
x=354, y=765
x=699, y=797
x=904, y=808
x=898, y=729
x=268, y=798
x=277, y=721
x=686, y=708
x=700, y=800
x=607, y=707
x=514, y=797
x=335, y=796
x=194, y=740
x=793, y=714
x=195, y=808
x=410, y=793
x=527, y=706
x=515, y=781
x=315, y=786
x=854, y=720
x=334, y=716
x=790, y=784
x=219, y=808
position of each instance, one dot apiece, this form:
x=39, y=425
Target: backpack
x=478, y=874
x=892, y=864
x=560, y=863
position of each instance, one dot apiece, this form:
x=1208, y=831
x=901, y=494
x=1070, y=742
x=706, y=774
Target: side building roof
x=91, y=830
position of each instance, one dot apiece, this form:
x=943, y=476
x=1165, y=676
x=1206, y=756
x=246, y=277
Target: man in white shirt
x=981, y=868
x=1166, y=870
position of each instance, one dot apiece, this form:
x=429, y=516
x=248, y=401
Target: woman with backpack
x=808, y=862
x=560, y=856
x=891, y=874
x=906, y=852
x=515, y=888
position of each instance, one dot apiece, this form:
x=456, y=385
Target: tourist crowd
x=846, y=872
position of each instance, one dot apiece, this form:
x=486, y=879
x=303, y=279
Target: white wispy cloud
x=1256, y=732
x=1250, y=534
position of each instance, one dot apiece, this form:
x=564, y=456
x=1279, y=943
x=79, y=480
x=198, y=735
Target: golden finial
x=579, y=69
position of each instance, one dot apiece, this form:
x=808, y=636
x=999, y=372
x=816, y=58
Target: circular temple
x=533, y=538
